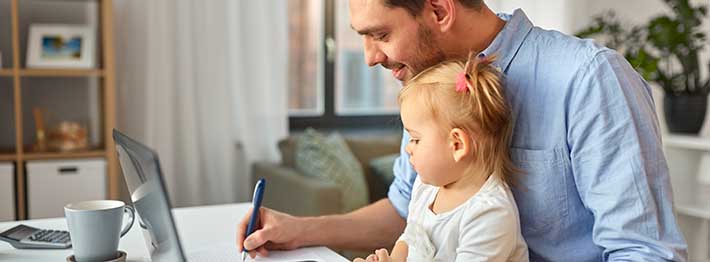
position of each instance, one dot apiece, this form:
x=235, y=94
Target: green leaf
x=645, y=63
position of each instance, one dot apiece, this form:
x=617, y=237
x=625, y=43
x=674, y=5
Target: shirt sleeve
x=489, y=232
x=400, y=192
x=618, y=163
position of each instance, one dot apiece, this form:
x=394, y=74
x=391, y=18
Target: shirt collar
x=510, y=39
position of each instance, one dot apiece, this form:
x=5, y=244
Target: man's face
x=394, y=38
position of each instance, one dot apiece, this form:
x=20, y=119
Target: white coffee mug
x=95, y=228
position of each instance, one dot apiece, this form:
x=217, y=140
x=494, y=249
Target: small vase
x=685, y=113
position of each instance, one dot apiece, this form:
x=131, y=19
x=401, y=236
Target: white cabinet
x=7, y=191
x=53, y=184
x=689, y=164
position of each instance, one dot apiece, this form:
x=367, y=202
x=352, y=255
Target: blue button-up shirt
x=595, y=185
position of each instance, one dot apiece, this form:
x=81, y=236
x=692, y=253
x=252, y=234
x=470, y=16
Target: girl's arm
x=400, y=251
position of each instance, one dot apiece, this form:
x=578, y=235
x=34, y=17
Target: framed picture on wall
x=61, y=46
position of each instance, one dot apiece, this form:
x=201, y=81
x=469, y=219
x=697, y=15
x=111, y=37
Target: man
x=595, y=185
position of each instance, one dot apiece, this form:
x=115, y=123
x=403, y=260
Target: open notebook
x=301, y=255
x=228, y=253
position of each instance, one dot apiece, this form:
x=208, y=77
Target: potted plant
x=664, y=51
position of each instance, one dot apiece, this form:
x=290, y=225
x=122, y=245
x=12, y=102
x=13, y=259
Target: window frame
x=329, y=119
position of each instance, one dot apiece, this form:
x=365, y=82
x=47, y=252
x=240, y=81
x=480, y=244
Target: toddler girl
x=461, y=206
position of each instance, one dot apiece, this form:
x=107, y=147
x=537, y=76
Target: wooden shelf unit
x=7, y=157
x=65, y=155
x=699, y=145
x=688, y=142
x=688, y=159
x=106, y=72
x=62, y=72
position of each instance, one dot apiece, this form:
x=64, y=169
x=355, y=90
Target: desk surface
x=198, y=228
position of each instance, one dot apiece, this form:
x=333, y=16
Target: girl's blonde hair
x=480, y=109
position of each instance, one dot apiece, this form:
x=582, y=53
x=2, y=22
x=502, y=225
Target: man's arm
x=375, y=226
x=618, y=163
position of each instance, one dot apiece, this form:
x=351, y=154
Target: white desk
x=198, y=228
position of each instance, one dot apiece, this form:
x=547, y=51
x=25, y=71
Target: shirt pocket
x=541, y=189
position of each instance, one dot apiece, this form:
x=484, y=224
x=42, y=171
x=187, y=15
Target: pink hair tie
x=461, y=84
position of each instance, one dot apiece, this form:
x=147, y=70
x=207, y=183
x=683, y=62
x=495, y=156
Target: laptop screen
x=143, y=175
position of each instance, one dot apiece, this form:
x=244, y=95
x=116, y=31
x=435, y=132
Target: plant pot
x=685, y=113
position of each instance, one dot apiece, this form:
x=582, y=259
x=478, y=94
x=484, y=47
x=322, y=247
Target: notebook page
x=229, y=253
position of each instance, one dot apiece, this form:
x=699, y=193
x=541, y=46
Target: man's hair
x=414, y=7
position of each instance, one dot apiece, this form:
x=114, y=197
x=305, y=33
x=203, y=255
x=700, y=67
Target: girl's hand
x=380, y=255
x=399, y=254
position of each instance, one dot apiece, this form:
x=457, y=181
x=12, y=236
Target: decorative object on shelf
x=665, y=51
x=68, y=136
x=41, y=143
x=61, y=46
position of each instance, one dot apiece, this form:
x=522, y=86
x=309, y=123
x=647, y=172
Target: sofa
x=288, y=190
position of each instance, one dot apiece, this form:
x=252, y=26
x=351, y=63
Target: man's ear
x=444, y=13
x=461, y=144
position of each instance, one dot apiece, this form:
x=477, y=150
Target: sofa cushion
x=330, y=158
x=287, y=148
x=382, y=168
x=367, y=149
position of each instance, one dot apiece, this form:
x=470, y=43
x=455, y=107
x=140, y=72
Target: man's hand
x=367, y=228
x=275, y=231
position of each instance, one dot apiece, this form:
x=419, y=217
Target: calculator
x=27, y=237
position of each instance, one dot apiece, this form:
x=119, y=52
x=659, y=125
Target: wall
x=548, y=14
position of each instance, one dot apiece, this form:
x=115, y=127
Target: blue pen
x=256, y=203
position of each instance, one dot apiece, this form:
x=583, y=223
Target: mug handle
x=133, y=218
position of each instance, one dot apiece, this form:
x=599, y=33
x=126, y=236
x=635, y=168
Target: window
x=331, y=86
x=360, y=89
x=305, y=69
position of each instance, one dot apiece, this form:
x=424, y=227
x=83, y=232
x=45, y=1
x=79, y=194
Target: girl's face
x=430, y=150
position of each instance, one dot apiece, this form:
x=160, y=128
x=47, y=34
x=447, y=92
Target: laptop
x=144, y=179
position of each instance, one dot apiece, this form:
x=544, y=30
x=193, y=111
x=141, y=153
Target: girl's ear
x=461, y=144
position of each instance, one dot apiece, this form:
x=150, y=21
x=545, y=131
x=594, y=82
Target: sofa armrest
x=289, y=191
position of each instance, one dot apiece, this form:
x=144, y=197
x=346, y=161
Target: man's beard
x=427, y=54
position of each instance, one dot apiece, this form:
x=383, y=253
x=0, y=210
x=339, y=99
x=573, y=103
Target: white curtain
x=204, y=84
